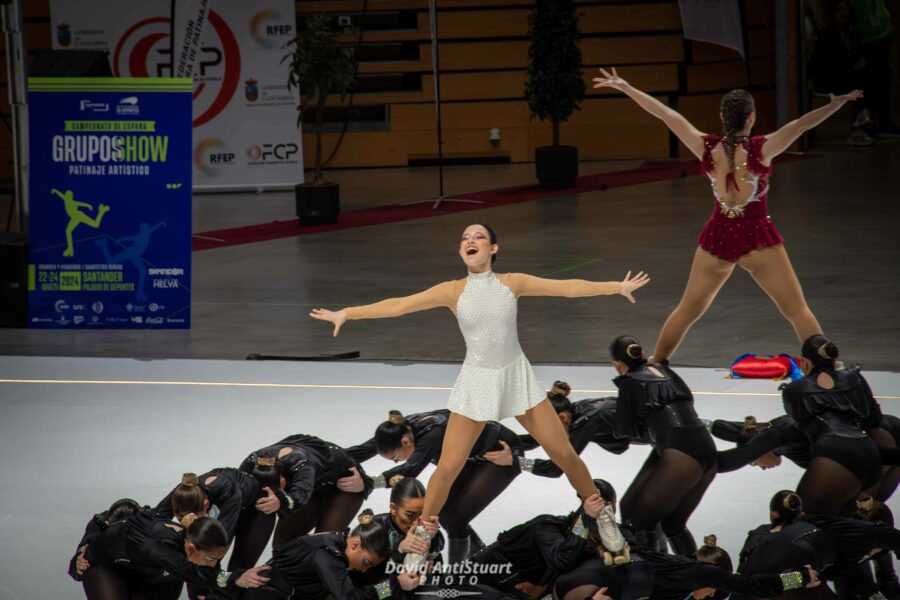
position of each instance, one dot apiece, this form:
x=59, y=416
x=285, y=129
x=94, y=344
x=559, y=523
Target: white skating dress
x=496, y=380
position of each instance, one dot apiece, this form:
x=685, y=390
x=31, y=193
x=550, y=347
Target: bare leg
x=708, y=275
x=462, y=432
x=547, y=430
x=771, y=269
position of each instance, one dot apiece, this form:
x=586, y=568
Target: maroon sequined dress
x=733, y=231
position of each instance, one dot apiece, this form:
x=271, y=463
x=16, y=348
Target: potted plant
x=319, y=66
x=555, y=86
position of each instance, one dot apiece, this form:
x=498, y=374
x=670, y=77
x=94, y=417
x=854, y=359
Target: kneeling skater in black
x=670, y=577
x=833, y=546
x=655, y=404
x=316, y=567
x=585, y=421
x=117, y=511
x=323, y=488
x=417, y=440
x=407, y=502
x=147, y=558
x=530, y=556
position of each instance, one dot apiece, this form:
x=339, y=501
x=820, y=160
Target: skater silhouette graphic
x=133, y=253
x=76, y=217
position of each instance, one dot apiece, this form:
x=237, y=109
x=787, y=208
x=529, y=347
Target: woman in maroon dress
x=739, y=231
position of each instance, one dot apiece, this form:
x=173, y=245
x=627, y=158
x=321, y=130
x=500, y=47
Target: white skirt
x=493, y=394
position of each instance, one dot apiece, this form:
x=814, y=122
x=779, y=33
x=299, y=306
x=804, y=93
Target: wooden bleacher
x=484, y=56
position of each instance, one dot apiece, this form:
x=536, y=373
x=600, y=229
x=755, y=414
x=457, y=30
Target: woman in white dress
x=496, y=380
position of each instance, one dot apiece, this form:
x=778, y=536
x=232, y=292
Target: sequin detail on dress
x=496, y=380
x=735, y=230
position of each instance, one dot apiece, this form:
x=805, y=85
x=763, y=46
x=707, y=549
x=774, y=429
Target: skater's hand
x=813, y=577
x=268, y=504
x=431, y=525
x=593, y=505
x=769, y=460
x=81, y=563
x=251, y=578
x=630, y=284
x=413, y=543
x=854, y=95
x=611, y=81
x=338, y=317
x=503, y=458
x=408, y=581
x=352, y=483
x=601, y=594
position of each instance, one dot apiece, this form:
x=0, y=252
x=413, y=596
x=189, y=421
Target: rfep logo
x=266, y=29
x=210, y=154
x=143, y=51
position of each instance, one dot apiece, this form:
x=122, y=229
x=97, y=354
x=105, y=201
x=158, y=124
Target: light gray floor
x=67, y=449
x=839, y=214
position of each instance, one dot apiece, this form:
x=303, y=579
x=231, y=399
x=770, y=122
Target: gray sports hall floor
x=67, y=450
x=838, y=213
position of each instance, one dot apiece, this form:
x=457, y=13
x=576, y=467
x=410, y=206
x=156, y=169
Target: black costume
x=97, y=525
x=655, y=404
x=230, y=493
x=538, y=551
x=826, y=432
x=781, y=436
x=479, y=482
x=309, y=499
x=594, y=420
x=378, y=574
x=314, y=567
x=834, y=546
x=143, y=558
x=840, y=457
x=666, y=577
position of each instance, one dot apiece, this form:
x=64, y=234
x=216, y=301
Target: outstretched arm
x=58, y=193
x=439, y=295
x=681, y=127
x=781, y=140
x=528, y=285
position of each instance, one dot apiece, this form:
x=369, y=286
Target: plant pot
x=556, y=167
x=317, y=204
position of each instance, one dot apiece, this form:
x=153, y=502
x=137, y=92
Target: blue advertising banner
x=110, y=199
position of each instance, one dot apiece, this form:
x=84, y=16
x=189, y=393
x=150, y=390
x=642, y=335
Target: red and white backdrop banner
x=244, y=115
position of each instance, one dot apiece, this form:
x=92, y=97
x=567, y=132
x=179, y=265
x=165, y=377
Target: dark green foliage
x=555, y=86
x=320, y=66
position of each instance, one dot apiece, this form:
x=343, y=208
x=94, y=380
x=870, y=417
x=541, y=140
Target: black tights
x=591, y=575
x=828, y=487
x=474, y=489
x=666, y=491
x=332, y=510
x=106, y=583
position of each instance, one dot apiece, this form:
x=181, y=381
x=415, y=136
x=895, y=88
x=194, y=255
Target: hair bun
x=188, y=519
x=560, y=388
x=865, y=503
x=396, y=417
x=792, y=502
x=710, y=540
x=634, y=350
x=395, y=480
x=750, y=422
x=190, y=480
x=265, y=461
x=831, y=350
x=366, y=517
